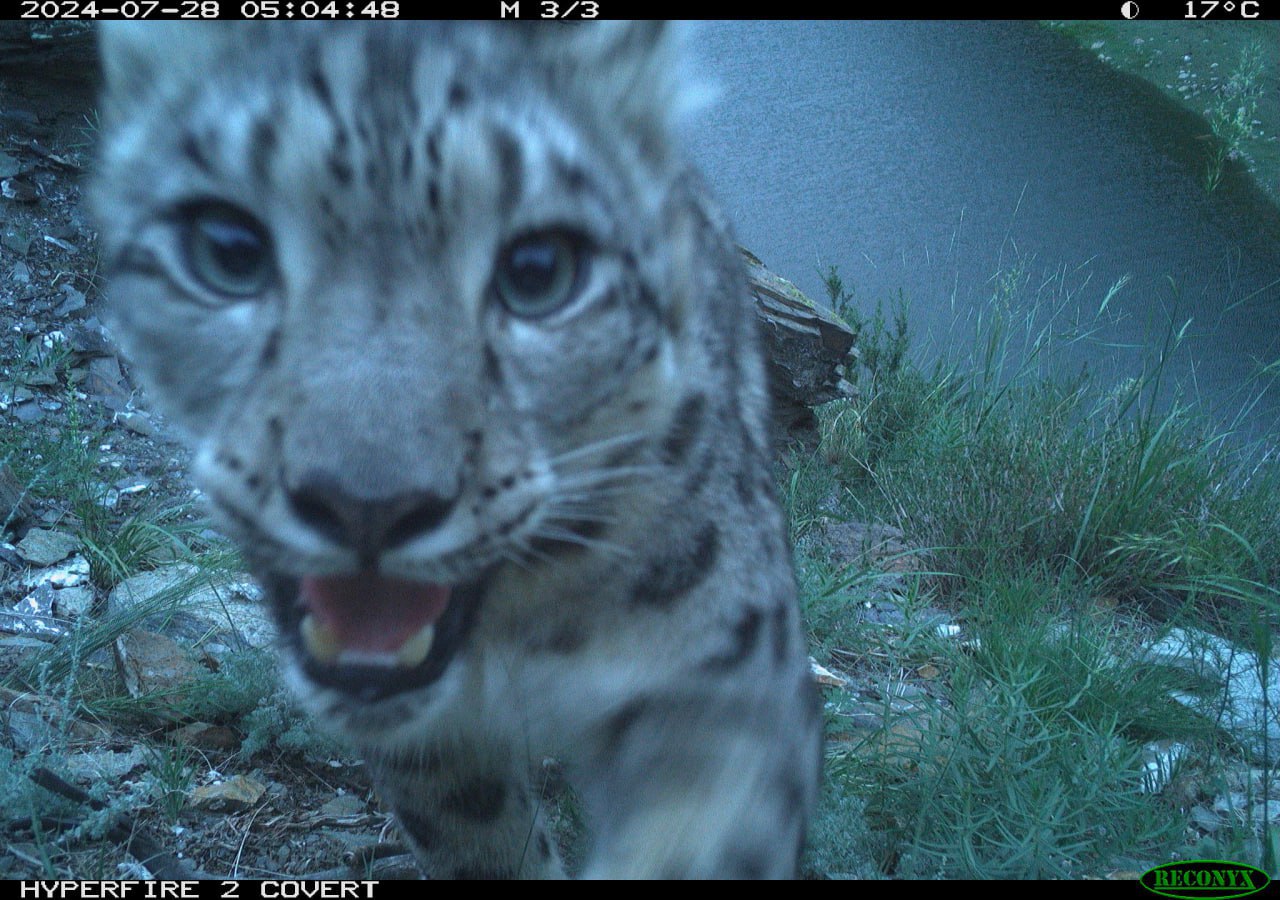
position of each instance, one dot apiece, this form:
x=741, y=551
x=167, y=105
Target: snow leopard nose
x=369, y=526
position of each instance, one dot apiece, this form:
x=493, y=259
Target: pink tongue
x=370, y=612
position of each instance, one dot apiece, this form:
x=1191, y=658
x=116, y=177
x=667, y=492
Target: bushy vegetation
x=1061, y=523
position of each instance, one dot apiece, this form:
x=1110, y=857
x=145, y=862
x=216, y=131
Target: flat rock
x=28, y=413
x=86, y=339
x=1244, y=700
x=72, y=300
x=107, y=383
x=344, y=806
x=19, y=394
x=138, y=423
x=68, y=573
x=220, y=610
x=16, y=650
x=205, y=736
x=98, y=765
x=42, y=547
x=32, y=616
x=32, y=720
x=235, y=794
x=73, y=602
x=180, y=579
x=808, y=349
x=153, y=665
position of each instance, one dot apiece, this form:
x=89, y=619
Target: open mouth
x=369, y=635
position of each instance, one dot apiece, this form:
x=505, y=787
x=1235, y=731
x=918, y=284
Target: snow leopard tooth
x=319, y=640
x=414, y=651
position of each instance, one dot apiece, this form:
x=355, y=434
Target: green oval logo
x=1194, y=879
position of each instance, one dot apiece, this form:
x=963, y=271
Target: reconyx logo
x=1197, y=879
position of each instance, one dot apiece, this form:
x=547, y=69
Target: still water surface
x=940, y=158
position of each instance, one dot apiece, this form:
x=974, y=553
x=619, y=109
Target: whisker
x=599, y=481
x=565, y=536
x=526, y=555
x=518, y=556
x=598, y=447
x=566, y=512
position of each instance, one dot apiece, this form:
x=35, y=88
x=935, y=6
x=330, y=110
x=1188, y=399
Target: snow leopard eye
x=227, y=250
x=539, y=273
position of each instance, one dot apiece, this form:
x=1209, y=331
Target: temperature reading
x=1204, y=9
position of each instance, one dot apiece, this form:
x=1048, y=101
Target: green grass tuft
x=1060, y=522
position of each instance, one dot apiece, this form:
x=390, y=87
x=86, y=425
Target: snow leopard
x=465, y=356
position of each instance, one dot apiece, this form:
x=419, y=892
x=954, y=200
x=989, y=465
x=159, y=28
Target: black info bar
x=198, y=890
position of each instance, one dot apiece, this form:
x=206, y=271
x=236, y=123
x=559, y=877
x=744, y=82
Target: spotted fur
x=464, y=353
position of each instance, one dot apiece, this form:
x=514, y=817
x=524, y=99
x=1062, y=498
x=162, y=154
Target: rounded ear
x=138, y=56
x=639, y=70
